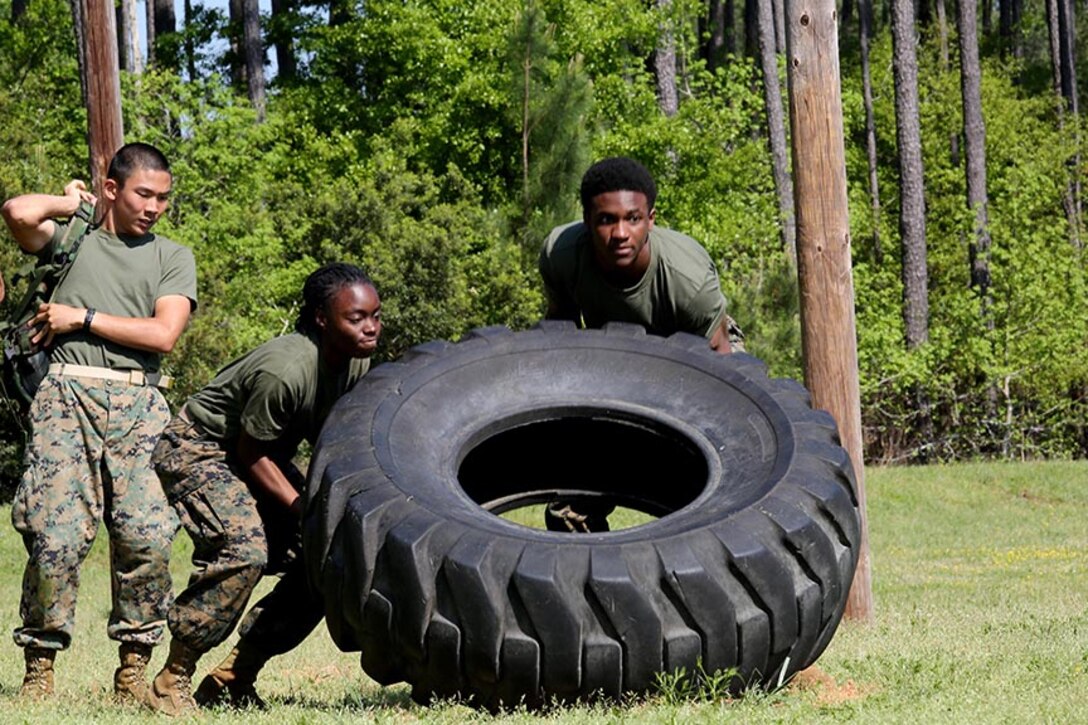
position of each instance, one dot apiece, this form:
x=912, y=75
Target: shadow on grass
x=398, y=698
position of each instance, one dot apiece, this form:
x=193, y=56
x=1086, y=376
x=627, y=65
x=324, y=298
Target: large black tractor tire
x=748, y=565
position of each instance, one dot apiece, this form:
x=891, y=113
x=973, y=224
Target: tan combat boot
x=130, y=679
x=38, y=680
x=233, y=679
x=170, y=691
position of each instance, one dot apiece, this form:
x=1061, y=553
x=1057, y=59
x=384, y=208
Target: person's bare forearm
x=29, y=217
x=264, y=476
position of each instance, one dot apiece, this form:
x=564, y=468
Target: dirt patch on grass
x=828, y=691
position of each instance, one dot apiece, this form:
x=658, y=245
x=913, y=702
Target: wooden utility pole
x=105, y=133
x=828, y=330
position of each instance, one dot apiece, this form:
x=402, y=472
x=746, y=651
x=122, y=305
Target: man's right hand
x=77, y=191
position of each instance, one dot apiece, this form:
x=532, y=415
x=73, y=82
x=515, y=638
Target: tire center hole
x=591, y=458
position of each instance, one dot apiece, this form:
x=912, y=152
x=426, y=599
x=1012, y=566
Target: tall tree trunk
x=665, y=62
x=922, y=13
x=912, y=208
x=974, y=143
x=865, y=27
x=149, y=18
x=722, y=36
x=751, y=29
x=283, y=38
x=161, y=20
x=1009, y=12
x=846, y=16
x=237, y=44
x=974, y=135
x=253, y=49
x=776, y=127
x=18, y=9
x=81, y=45
x=946, y=66
x=1058, y=49
x=190, y=45
x=779, y=7
x=128, y=37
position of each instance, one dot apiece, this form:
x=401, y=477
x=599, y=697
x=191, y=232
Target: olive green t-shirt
x=680, y=291
x=123, y=276
x=280, y=391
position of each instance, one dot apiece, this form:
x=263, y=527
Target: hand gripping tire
x=748, y=566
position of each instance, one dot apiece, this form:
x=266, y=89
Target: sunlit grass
x=980, y=578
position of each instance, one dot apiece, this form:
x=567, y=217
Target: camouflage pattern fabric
x=236, y=539
x=736, y=335
x=89, y=461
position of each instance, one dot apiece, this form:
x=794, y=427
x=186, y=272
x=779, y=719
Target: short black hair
x=321, y=286
x=134, y=156
x=618, y=173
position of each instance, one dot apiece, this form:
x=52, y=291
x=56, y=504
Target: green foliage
x=399, y=146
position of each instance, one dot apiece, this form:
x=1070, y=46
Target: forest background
x=435, y=142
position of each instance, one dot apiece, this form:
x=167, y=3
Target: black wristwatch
x=87, y=319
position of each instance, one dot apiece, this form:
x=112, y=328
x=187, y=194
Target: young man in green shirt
x=98, y=414
x=225, y=464
x=615, y=265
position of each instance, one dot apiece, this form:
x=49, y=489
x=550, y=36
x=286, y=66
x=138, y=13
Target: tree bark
x=161, y=20
x=105, y=132
x=865, y=28
x=1056, y=17
x=149, y=22
x=18, y=9
x=942, y=30
x=722, y=38
x=286, y=63
x=828, y=328
x=846, y=16
x=779, y=8
x=912, y=220
x=974, y=135
x=190, y=45
x=237, y=44
x=81, y=44
x=253, y=49
x=128, y=37
x=751, y=29
x=776, y=127
x=665, y=62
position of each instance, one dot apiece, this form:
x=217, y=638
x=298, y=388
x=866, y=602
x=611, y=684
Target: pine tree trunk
x=149, y=18
x=190, y=46
x=779, y=7
x=776, y=127
x=665, y=62
x=912, y=221
x=253, y=49
x=974, y=135
x=751, y=29
x=722, y=38
x=946, y=66
x=81, y=45
x=846, y=16
x=161, y=20
x=865, y=22
x=236, y=56
x=18, y=9
x=1058, y=48
x=286, y=63
x=128, y=37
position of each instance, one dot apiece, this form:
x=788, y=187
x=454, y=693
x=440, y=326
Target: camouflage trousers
x=88, y=462
x=236, y=539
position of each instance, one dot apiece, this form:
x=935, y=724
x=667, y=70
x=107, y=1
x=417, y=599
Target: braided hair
x=321, y=286
x=618, y=173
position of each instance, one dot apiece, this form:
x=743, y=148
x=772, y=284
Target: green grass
x=980, y=578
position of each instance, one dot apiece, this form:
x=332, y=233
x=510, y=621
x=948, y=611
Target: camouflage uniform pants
x=89, y=461
x=236, y=539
